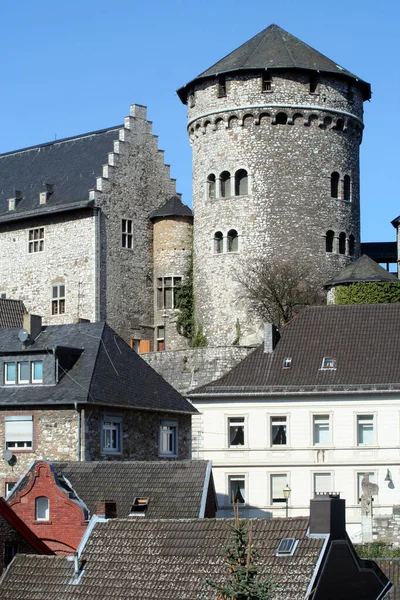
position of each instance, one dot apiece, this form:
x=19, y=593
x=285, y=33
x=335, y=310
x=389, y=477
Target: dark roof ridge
x=100, y=338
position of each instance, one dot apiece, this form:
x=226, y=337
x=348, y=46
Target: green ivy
x=186, y=323
x=377, y=550
x=377, y=292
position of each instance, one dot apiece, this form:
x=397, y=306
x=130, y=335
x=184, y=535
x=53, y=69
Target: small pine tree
x=241, y=556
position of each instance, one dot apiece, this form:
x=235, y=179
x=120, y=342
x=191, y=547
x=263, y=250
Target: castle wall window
x=168, y=438
x=166, y=291
x=225, y=183
x=346, y=187
x=127, y=233
x=281, y=118
x=111, y=435
x=218, y=242
x=329, y=241
x=351, y=245
x=58, y=299
x=36, y=240
x=241, y=182
x=160, y=338
x=339, y=125
x=42, y=509
x=19, y=432
x=211, y=187
x=221, y=87
x=233, y=241
x=342, y=243
x=335, y=185
x=313, y=85
x=266, y=84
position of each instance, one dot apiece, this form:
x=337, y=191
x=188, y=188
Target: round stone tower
x=275, y=129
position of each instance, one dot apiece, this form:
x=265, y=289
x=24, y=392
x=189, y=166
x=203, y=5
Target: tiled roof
x=363, y=339
x=165, y=560
x=174, y=207
x=362, y=270
x=175, y=489
x=275, y=48
x=107, y=372
x=11, y=313
x=29, y=536
x=70, y=165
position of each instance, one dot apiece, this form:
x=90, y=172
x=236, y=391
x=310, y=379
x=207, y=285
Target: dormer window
x=328, y=363
x=11, y=203
x=287, y=363
x=23, y=372
x=139, y=507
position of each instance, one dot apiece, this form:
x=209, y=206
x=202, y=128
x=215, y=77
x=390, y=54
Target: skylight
x=329, y=363
x=287, y=547
x=287, y=363
x=139, y=507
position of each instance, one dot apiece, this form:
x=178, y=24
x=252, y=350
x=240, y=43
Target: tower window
x=166, y=291
x=329, y=241
x=241, y=182
x=335, y=185
x=225, y=181
x=221, y=87
x=346, y=187
x=211, y=186
x=218, y=242
x=342, y=243
x=281, y=118
x=313, y=85
x=351, y=245
x=266, y=82
x=350, y=92
x=339, y=125
x=233, y=241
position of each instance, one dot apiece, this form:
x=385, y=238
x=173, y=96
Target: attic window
x=139, y=507
x=287, y=363
x=329, y=363
x=221, y=87
x=287, y=547
x=11, y=203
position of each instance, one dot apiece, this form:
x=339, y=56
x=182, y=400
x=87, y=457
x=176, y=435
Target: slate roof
x=107, y=372
x=275, y=48
x=164, y=560
x=364, y=340
x=362, y=270
x=11, y=313
x=174, y=207
x=71, y=165
x=175, y=489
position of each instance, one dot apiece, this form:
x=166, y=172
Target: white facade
x=312, y=443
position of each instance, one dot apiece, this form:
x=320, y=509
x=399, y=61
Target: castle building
x=275, y=129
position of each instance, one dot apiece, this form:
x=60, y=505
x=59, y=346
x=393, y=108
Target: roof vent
x=139, y=507
x=287, y=547
x=12, y=202
x=44, y=196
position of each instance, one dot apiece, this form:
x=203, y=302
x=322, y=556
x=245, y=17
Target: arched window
x=218, y=242
x=346, y=187
x=225, y=180
x=211, y=186
x=42, y=508
x=351, y=245
x=329, y=241
x=339, y=125
x=335, y=185
x=233, y=241
x=241, y=182
x=342, y=243
x=281, y=118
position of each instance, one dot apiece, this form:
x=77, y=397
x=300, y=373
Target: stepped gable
x=363, y=339
x=174, y=207
x=275, y=48
x=362, y=270
x=11, y=313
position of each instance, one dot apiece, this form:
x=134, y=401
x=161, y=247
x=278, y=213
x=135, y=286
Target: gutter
x=289, y=393
x=47, y=211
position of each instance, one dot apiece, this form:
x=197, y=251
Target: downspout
x=78, y=410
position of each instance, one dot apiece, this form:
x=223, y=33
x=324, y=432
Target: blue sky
x=74, y=67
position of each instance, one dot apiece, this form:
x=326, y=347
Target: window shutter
x=19, y=429
x=323, y=482
x=278, y=483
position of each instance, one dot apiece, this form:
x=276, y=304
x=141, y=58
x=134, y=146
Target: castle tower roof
x=275, y=48
x=362, y=270
x=174, y=207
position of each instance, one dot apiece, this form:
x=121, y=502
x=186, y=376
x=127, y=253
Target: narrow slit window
x=335, y=185
x=351, y=245
x=211, y=186
x=221, y=87
x=127, y=233
x=329, y=241
x=342, y=243
x=346, y=187
x=313, y=84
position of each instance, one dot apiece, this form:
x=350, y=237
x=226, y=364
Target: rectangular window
x=10, y=550
x=37, y=371
x=323, y=483
x=278, y=431
x=168, y=438
x=321, y=430
x=160, y=338
x=237, y=489
x=371, y=478
x=329, y=363
x=236, y=431
x=221, y=87
x=36, y=240
x=278, y=482
x=3, y=295
x=58, y=300
x=19, y=432
x=127, y=233
x=9, y=486
x=23, y=372
x=313, y=85
x=112, y=438
x=266, y=83
x=166, y=291
x=365, y=430
x=10, y=373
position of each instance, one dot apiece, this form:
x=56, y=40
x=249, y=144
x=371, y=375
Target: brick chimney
x=328, y=515
x=106, y=509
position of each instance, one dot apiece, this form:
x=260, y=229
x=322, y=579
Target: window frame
x=315, y=474
x=33, y=379
x=162, y=288
x=115, y=422
x=40, y=508
x=372, y=419
x=58, y=303
x=280, y=500
x=172, y=434
x=127, y=233
x=20, y=379
x=28, y=442
x=279, y=418
x=232, y=477
x=229, y=422
x=35, y=243
x=6, y=380
x=328, y=419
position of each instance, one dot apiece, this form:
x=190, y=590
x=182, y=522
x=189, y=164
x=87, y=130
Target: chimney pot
x=106, y=509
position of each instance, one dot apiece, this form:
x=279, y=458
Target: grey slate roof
x=11, y=313
x=174, y=207
x=275, y=48
x=164, y=560
x=71, y=165
x=362, y=270
x=175, y=489
x=364, y=340
x=107, y=372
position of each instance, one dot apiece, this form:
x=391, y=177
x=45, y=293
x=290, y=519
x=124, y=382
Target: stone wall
x=193, y=367
x=386, y=528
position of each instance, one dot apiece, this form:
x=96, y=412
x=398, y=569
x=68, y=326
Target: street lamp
x=164, y=317
x=286, y=494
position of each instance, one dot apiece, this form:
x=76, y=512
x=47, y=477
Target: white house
x=315, y=410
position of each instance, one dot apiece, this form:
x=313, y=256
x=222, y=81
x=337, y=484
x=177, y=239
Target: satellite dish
x=23, y=335
x=7, y=455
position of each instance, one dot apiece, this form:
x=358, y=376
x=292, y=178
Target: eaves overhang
x=48, y=210
x=301, y=391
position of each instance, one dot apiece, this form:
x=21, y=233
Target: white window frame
x=42, y=508
x=33, y=363
x=364, y=417
x=237, y=477
x=329, y=363
x=229, y=425
x=20, y=380
x=281, y=500
x=328, y=419
x=35, y=240
x=127, y=234
x=58, y=300
x=111, y=423
x=168, y=432
x=316, y=474
x=10, y=381
x=274, y=419
x=10, y=431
